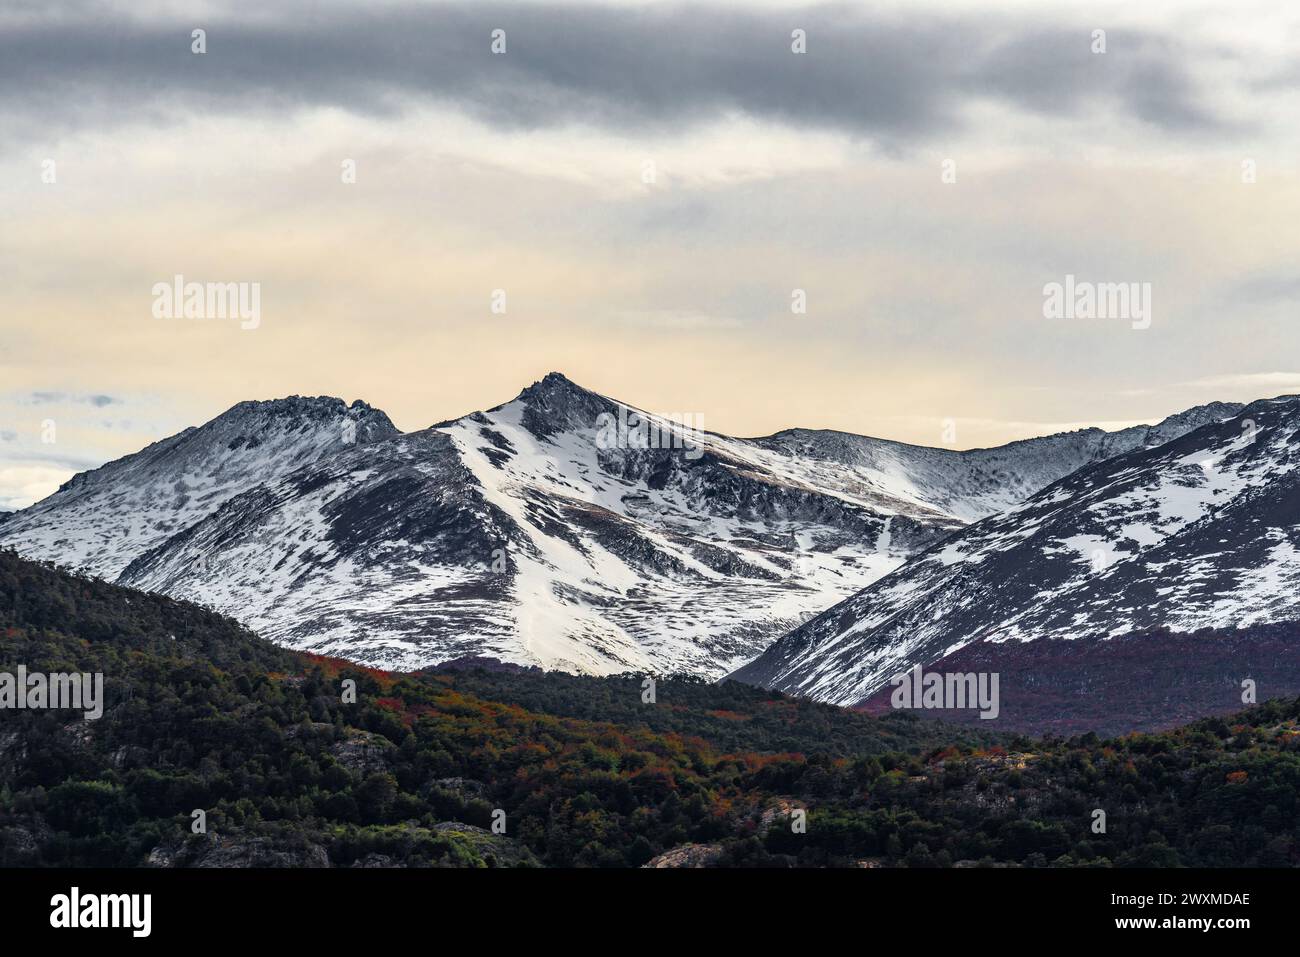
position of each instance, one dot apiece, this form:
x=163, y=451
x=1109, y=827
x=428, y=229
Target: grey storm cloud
x=888, y=78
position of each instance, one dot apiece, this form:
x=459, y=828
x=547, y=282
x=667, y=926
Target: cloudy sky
x=649, y=184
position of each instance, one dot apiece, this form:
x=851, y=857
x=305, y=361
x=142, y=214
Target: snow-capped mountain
x=99, y=521
x=562, y=529
x=522, y=533
x=1202, y=532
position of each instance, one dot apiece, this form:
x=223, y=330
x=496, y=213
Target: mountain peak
x=101, y=519
x=297, y=413
x=299, y=404
x=553, y=383
x=555, y=404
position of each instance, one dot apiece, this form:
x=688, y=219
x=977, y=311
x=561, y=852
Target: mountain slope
x=1201, y=532
x=100, y=520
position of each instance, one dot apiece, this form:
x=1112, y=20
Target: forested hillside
x=203, y=716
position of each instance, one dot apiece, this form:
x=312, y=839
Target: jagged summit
x=552, y=385
x=554, y=392
x=308, y=407
x=557, y=404
x=555, y=380
x=289, y=403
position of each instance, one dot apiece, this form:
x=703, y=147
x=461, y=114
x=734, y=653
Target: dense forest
x=497, y=766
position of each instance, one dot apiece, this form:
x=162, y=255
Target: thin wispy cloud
x=51, y=398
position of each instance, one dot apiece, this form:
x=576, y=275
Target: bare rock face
x=363, y=752
x=688, y=855
x=214, y=850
